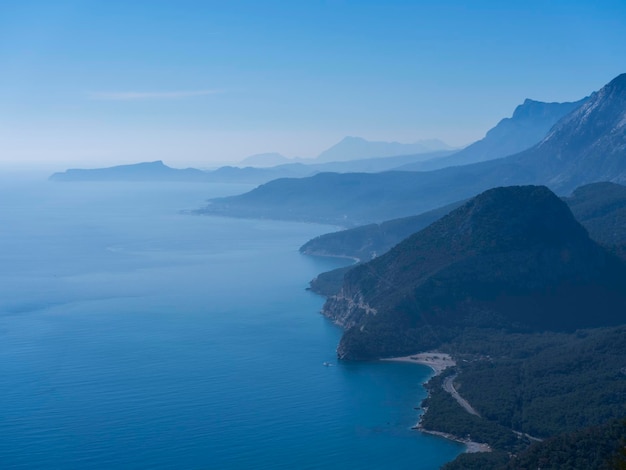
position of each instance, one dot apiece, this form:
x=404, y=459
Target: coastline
x=439, y=362
x=330, y=255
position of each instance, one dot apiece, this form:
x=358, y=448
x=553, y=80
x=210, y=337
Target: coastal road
x=448, y=386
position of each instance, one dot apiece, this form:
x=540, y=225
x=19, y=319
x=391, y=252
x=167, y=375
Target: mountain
x=512, y=257
x=530, y=123
x=232, y=174
x=368, y=241
x=347, y=199
x=357, y=148
x=264, y=160
x=588, y=145
x=147, y=171
x=601, y=209
x=304, y=168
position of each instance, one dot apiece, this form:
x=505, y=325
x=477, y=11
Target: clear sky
x=90, y=83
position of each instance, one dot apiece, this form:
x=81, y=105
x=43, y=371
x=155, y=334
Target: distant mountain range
x=351, y=149
x=585, y=146
x=530, y=123
x=264, y=160
x=158, y=171
x=357, y=148
x=148, y=171
x=512, y=258
x=354, y=154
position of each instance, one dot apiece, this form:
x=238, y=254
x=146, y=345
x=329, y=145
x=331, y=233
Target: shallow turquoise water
x=135, y=336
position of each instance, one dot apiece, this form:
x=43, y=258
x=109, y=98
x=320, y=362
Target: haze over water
x=135, y=336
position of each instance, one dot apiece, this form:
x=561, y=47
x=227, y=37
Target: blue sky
x=88, y=83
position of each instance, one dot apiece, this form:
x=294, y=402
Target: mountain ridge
x=357, y=148
x=530, y=123
x=565, y=159
x=508, y=258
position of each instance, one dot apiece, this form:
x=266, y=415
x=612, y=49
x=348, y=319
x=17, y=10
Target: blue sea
x=135, y=335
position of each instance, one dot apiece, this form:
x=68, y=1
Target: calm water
x=134, y=336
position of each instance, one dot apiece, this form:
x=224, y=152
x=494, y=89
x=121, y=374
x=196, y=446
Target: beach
x=439, y=362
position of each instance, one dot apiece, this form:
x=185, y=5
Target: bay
x=136, y=335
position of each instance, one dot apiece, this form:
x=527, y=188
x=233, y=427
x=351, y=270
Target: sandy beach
x=439, y=362
x=471, y=447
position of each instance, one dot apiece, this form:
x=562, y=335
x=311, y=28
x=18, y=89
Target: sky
x=202, y=83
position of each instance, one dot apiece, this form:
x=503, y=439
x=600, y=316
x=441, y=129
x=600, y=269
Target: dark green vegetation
x=598, y=447
x=587, y=145
x=567, y=388
x=601, y=208
x=368, y=241
x=544, y=383
x=446, y=415
x=512, y=258
x=329, y=283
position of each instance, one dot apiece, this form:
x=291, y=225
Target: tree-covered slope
x=512, y=257
x=368, y=241
x=601, y=208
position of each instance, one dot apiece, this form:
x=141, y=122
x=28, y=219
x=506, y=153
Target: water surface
x=135, y=336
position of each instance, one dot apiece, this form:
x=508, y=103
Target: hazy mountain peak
x=528, y=125
x=587, y=145
x=268, y=159
x=355, y=148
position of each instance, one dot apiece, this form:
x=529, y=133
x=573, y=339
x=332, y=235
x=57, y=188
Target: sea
x=135, y=334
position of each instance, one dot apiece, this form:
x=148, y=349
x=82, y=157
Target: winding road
x=448, y=386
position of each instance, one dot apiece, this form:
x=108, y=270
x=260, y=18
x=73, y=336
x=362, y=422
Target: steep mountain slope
x=512, y=257
x=530, y=123
x=586, y=146
x=601, y=209
x=368, y=241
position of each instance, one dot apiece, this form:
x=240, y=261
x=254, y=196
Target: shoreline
x=321, y=255
x=471, y=447
x=439, y=362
